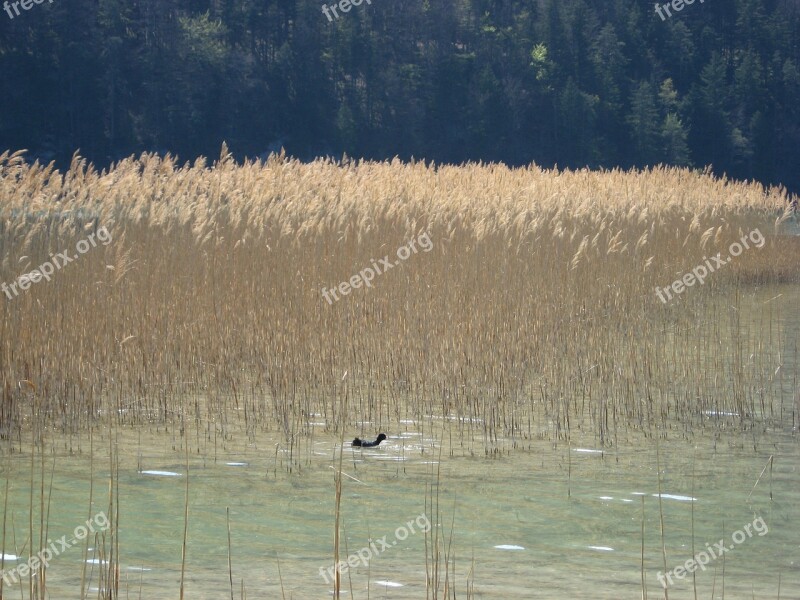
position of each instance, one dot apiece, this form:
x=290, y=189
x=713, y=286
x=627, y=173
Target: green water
x=581, y=534
x=544, y=521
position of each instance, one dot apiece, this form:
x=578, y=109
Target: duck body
x=358, y=443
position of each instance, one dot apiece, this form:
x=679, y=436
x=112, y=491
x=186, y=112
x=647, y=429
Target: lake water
x=547, y=520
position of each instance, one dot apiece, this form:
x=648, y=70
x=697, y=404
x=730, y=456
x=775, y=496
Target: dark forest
x=571, y=83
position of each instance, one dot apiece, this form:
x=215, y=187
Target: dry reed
x=533, y=315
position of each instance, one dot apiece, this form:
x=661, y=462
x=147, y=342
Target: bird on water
x=362, y=444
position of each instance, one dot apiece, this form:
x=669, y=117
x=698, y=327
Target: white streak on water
x=160, y=473
x=674, y=497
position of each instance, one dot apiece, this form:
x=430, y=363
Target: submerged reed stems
x=185, y=523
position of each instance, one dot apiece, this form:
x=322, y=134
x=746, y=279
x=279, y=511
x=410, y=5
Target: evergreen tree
x=567, y=81
x=676, y=152
x=643, y=122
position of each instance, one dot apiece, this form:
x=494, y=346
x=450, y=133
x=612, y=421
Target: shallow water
x=547, y=520
x=520, y=522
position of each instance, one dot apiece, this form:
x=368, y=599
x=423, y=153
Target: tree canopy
x=568, y=82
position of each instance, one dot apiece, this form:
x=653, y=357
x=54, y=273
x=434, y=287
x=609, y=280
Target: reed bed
x=534, y=314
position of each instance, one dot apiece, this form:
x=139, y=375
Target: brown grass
x=534, y=313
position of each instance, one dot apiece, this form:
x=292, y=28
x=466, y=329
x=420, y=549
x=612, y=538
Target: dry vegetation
x=534, y=315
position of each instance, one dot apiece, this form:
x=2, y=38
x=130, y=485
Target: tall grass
x=534, y=314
